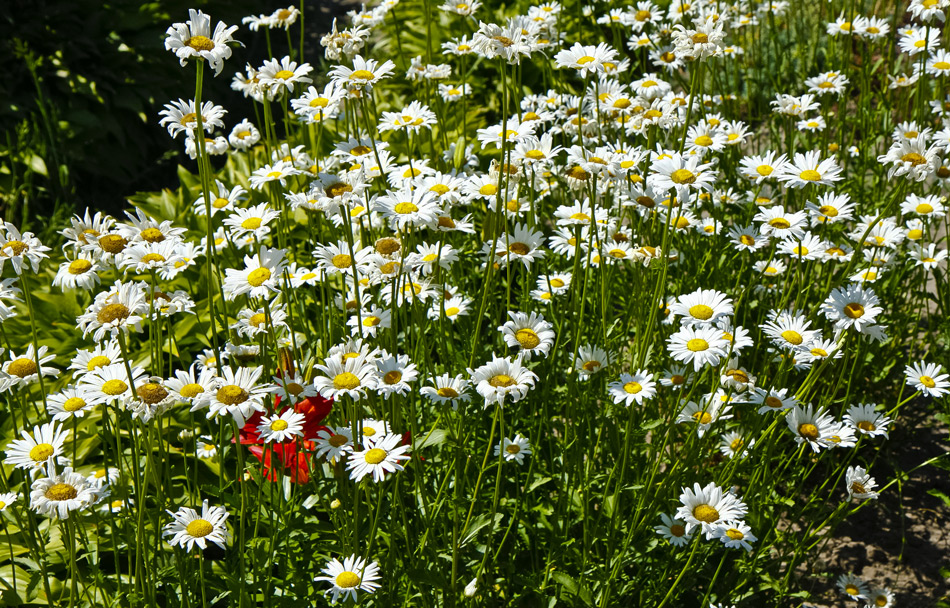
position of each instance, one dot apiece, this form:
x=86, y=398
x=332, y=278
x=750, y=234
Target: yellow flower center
x=348, y=580
x=199, y=528
x=153, y=235
x=447, y=392
x=706, y=513
x=284, y=75
x=22, y=368
x=112, y=312
x=232, y=394
x=527, y=338
x=808, y=431
x=792, y=337
x=279, y=425
x=683, y=176
x=61, y=491
x=701, y=312
x=585, y=60
x=405, y=208
x=697, y=344
x=700, y=38
x=200, y=43
x=41, y=452
x=375, y=456
x=73, y=404
x=928, y=381
x=151, y=393
x=632, y=388
x=519, y=248
x=346, y=381
x=392, y=377
x=79, y=266
x=703, y=140
x=112, y=243
x=854, y=310
x=810, y=175
x=851, y=589
x=702, y=417
x=866, y=425
x=913, y=158
x=677, y=530
x=780, y=223
x=191, y=390
x=501, y=380
x=362, y=75
x=114, y=387
x=258, y=277
x=734, y=534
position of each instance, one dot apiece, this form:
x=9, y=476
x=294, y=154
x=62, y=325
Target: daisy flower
x=408, y=207
x=189, y=387
x=348, y=577
x=394, y=374
x=733, y=444
x=590, y=360
x=189, y=529
x=68, y=403
x=700, y=345
x=514, y=449
x=351, y=377
x=447, y=388
x=279, y=76
x=705, y=413
x=530, y=332
x=674, y=530
x=705, y=507
x=34, y=452
x=852, y=586
x=182, y=117
x=809, y=426
x=26, y=369
x=334, y=443
x=682, y=173
x=735, y=535
x=282, y=427
x=866, y=421
x=859, y=484
x=236, y=393
x=121, y=309
x=702, y=306
x=81, y=273
x=851, y=307
x=881, y=597
x=59, y=495
x=635, y=388
x=7, y=499
x=260, y=276
x=927, y=378
x=110, y=383
x=378, y=458
x=205, y=448
x=364, y=74
x=808, y=169
x=194, y=39
x=501, y=379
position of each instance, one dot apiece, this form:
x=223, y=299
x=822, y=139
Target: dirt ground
x=903, y=541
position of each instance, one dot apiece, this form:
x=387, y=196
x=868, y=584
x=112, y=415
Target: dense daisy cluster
x=626, y=263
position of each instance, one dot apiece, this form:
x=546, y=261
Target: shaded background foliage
x=84, y=83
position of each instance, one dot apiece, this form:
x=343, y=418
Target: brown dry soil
x=901, y=541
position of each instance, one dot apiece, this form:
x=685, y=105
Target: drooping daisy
x=120, y=309
x=205, y=447
x=378, y=458
x=927, y=378
x=59, y=495
x=735, y=535
x=705, y=507
x=674, y=531
x=348, y=577
x=189, y=529
x=590, y=360
x=809, y=426
x=447, y=388
x=635, y=388
x=860, y=484
x=867, y=421
x=35, y=452
x=501, y=379
x=734, y=444
x=704, y=414
x=773, y=400
x=852, y=586
x=334, y=443
x=514, y=449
